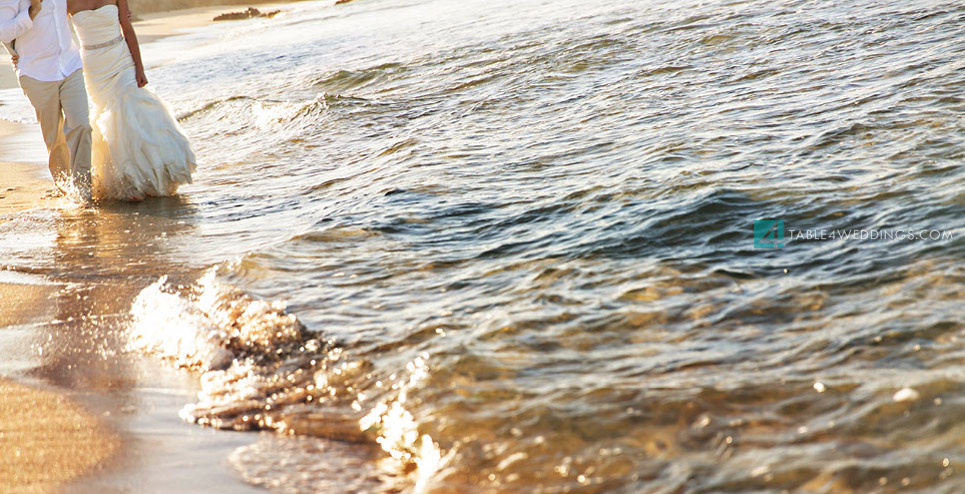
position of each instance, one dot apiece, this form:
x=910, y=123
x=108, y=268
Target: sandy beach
x=59, y=427
x=46, y=440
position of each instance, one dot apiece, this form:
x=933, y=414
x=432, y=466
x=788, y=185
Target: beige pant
x=64, y=120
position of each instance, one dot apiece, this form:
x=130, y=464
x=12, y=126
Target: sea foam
x=262, y=370
x=210, y=326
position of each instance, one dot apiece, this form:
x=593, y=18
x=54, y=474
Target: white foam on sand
x=209, y=326
x=262, y=370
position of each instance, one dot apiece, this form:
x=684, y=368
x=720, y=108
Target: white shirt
x=45, y=45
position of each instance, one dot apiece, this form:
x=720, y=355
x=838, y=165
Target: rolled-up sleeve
x=13, y=21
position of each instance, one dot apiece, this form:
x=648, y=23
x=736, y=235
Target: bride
x=139, y=149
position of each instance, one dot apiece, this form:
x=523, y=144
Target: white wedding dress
x=139, y=149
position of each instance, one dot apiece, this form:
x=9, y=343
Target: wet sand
x=21, y=189
x=46, y=439
x=85, y=415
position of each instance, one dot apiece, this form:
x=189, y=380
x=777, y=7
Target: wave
x=346, y=80
x=210, y=105
x=246, y=110
x=261, y=369
x=213, y=327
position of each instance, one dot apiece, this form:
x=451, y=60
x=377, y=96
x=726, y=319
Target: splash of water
x=262, y=370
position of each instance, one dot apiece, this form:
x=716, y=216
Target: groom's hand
x=14, y=59
x=34, y=9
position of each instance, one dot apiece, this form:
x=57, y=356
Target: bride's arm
x=124, y=16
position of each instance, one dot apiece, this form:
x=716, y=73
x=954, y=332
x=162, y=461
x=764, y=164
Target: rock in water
x=247, y=14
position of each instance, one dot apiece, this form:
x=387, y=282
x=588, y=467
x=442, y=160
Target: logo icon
x=769, y=234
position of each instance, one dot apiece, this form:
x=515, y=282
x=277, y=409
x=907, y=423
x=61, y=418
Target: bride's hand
x=141, y=78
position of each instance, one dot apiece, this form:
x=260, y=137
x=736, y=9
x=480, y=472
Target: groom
x=49, y=70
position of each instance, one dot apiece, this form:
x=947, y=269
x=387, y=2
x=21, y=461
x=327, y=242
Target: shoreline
x=153, y=26
x=161, y=7
x=89, y=438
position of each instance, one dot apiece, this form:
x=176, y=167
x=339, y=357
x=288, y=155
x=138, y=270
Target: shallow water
x=509, y=246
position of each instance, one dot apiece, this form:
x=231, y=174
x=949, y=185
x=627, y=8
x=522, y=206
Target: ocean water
x=445, y=246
